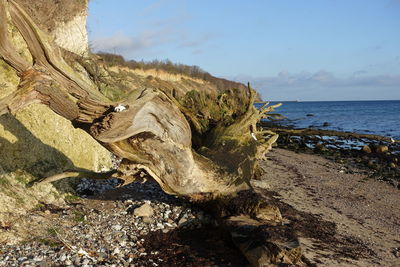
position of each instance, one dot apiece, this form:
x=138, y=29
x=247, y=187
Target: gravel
x=101, y=229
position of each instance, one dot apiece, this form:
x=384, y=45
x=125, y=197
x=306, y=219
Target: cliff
x=36, y=142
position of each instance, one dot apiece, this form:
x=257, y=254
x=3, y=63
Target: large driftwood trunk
x=152, y=132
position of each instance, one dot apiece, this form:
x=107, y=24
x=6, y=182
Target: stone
x=117, y=227
x=381, y=149
x=182, y=221
x=62, y=258
x=147, y=220
x=270, y=213
x=144, y=211
x=367, y=149
x=320, y=147
x=116, y=251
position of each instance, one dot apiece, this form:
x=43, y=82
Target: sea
x=370, y=117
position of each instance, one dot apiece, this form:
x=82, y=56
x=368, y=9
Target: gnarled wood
x=149, y=130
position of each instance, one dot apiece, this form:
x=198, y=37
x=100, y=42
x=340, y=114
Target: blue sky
x=288, y=49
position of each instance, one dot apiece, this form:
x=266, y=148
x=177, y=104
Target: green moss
x=53, y=231
x=50, y=242
x=20, y=200
x=23, y=179
x=71, y=198
x=212, y=109
x=79, y=217
x=38, y=206
x=4, y=181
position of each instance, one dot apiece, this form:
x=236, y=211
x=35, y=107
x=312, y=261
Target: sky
x=287, y=49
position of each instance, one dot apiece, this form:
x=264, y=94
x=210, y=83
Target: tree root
x=153, y=134
x=75, y=174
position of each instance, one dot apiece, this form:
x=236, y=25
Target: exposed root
x=75, y=174
x=267, y=109
x=153, y=136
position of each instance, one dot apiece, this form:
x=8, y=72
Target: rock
x=182, y=221
x=270, y=213
x=320, y=147
x=367, y=149
x=117, y=227
x=147, y=220
x=396, y=252
x=116, y=251
x=326, y=124
x=381, y=149
x=37, y=258
x=310, y=115
x=144, y=211
x=62, y=258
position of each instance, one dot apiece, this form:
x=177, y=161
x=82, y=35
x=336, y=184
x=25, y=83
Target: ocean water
x=371, y=117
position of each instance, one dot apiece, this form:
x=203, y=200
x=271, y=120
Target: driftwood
x=152, y=132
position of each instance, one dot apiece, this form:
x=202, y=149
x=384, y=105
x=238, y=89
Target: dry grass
x=174, y=68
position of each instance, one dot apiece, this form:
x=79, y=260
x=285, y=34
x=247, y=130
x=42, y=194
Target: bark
x=152, y=132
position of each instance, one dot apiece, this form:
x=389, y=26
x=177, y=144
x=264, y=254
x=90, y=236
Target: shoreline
x=378, y=156
x=363, y=214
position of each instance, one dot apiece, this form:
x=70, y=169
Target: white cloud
x=324, y=85
x=162, y=33
x=123, y=44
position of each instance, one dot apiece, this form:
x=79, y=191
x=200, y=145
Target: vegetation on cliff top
x=171, y=67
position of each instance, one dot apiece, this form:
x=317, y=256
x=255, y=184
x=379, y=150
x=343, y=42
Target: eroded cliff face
x=64, y=20
x=37, y=139
x=36, y=142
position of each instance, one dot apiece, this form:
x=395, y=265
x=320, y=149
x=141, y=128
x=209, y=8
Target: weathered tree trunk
x=152, y=133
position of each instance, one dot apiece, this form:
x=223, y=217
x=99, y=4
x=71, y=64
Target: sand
x=342, y=217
